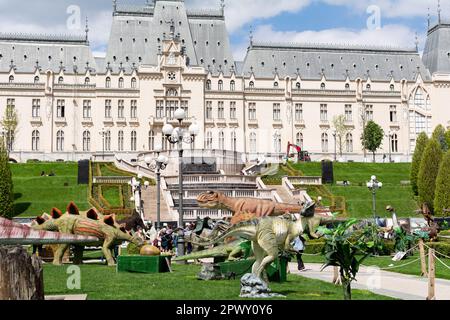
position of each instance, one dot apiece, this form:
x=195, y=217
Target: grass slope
x=103, y=283
x=35, y=194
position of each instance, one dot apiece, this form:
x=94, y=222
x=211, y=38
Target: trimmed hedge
x=428, y=172
x=442, y=193
x=6, y=184
x=421, y=144
x=441, y=247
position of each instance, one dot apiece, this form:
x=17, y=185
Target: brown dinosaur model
x=246, y=208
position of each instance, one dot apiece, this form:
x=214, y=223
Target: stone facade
x=162, y=56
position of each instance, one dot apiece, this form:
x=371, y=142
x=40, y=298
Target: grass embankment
x=35, y=195
x=100, y=282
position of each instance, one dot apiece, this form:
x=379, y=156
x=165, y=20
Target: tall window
x=133, y=109
x=121, y=83
x=86, y=141
x=232, y=85
x=233, y=141
x=108, y=82
x=349, y=142
x=209, y=110
x=60, y=109
x=209, y=140
x=233, y=110
x=277, y=142
x=393, y=113
x=185, y=107
x=60, y=140
x=171, y=106
x=323, y=112
x=253, y=142
x=107, y=109
x=276, y=112
x=298, y=112
x=220, y=85
x=120, y=141
x=120, y=109
x=108, y=141
x=36, y=108
x=252, y=111
x=208, y=84
x=133, y=83
x=159, y=109
x=86, y=109
x=394, y=143
x=220, y=110
x=324, y=142
x=133, y=141
x=221, y=140
x=299, y=139
x=35, y=137
x=348, y=113
x=151, y=140
x=369, y=112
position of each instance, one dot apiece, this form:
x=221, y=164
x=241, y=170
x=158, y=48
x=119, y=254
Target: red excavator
x=303, y=156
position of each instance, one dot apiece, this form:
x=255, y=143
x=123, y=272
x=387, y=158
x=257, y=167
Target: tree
x=421, y=143
x=429, y=168
x=372, y=137
x=440, y=135
x=9, y=123
x=6, y=185
x=341, y=131
x=447, y=137
x=442, y=193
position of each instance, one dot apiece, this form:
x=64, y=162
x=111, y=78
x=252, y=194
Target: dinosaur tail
x=209, y=253
x=244, y=229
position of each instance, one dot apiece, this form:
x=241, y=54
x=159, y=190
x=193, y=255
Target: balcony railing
x=23, y=85
x=66, y=86
x=267, y=194
x=202, y=179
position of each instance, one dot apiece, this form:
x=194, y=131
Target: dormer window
x=208, y=85
x=108, y=82
x=322, y=86
x=347, y=86
x=220, y=85
x=36, y=79
x=368, y=87
x=392, y=87
x=133, y=83
x=11, y=79
x=60, y=80
x=232, y=85
x=275, y=84
x=121, y=83
x=251, y=84
x=87, y=81
x=298, y=85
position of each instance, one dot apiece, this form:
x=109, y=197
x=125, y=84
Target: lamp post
x=159, y=164
x=390, y=146
x=335, y=149
x=136, y=188
x=373, y=185
x=102, y=133
x=179, y=136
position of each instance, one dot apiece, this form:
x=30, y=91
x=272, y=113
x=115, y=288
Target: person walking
x=299, y=247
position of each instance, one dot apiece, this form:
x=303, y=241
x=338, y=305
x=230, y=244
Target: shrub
x=428, y=172
x=440, y=247
x=6, y=184
x=440, y=135
x=133, y=249
x=442, y=193
x=421, y=144
x=314, y=246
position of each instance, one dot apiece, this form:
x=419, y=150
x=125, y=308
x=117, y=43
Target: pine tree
x=442, y=193
x=440, y=135
x=429, y=168
x=6, y=185
x=421, y=143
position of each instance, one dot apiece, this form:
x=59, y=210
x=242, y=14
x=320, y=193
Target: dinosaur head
x=210, y=200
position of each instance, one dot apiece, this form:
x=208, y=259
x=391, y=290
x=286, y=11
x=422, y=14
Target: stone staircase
x=149, y=198
x=284, y=195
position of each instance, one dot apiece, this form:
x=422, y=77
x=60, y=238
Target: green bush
x=314, y=246
x=6, y=184
x=429, y=168
x=440, y=135
x=421, y=144
x=442, y=193
x=440, y=247
x=133, y=249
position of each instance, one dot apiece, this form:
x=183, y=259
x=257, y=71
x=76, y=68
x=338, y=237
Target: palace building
x=162, y=56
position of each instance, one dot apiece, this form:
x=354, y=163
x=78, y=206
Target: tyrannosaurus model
x=269, y=235
x=105, y=230
x=247, y=208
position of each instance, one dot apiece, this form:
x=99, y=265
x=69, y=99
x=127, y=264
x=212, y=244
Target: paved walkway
x=395, y=285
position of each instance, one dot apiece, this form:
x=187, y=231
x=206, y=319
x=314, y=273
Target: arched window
x=232, y=85
x=60, y=80
x=208, y=84
x=324, y=142
x=86, y=141
x=120, y=141
x=133, y=141
x=252, y=142
x=322, y=86
x=392, y=87
x=220, y=85
x=233, y=141
x=299, y=139
x=60, y=140
x=108, y=82
x=108, y=141
x=121, y=83
x=394, y=143
x=298, y=86
x=151, y=140
x=209, y=141
x=277, y=142
x=349, y=142
x=221, y=140
x=133, y=83
x=35, y=137
x=251, y=84
x=172, y=93
x=11, y=79
x=87, y=81
x=36, y=79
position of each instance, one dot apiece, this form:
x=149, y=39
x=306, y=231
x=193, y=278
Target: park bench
x=343, y=183
x=405, y=182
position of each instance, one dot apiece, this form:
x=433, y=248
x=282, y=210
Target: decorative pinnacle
x=87, y=29
x=222, y=5
x=251, y=36
x=417, y=42
x=429, y=18
x=114, y=5
x=439, y=11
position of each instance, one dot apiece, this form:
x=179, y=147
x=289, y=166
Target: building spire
x=87, y=29
x=222, y=6
x=251, y=36
x=114, y=6
x=429, y=18
x=417, y=42
x=439, y=11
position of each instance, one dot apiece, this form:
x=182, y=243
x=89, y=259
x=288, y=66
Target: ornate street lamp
x=373, y=185
x=335, y=148
x=157, y=164
x=179, y=136
x=102, y=134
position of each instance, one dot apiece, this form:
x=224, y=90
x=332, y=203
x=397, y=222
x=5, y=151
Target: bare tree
x=9, y=123
x=341, y=131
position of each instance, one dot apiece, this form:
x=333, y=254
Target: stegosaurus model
x=269, y=235
x=105, y=230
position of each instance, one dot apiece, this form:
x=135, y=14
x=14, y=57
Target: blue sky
x=318, y=21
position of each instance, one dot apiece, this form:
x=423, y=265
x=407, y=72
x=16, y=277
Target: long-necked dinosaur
x=231, y=251
x=269, y=235
x=105, y=230
x=247, y=208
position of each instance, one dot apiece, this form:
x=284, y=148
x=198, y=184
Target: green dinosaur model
x=232, y=251
x=104, y=230
x=270, y=235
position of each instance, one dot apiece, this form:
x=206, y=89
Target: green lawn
x=103, y=283
x=358, y=197
x=35, y=194
x=112, y=195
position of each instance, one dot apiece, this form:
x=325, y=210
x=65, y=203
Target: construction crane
x=302, y=156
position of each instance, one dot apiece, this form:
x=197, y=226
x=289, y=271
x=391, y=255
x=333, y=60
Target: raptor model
x=247, y=208
x=105, y=230
x=269, y=235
